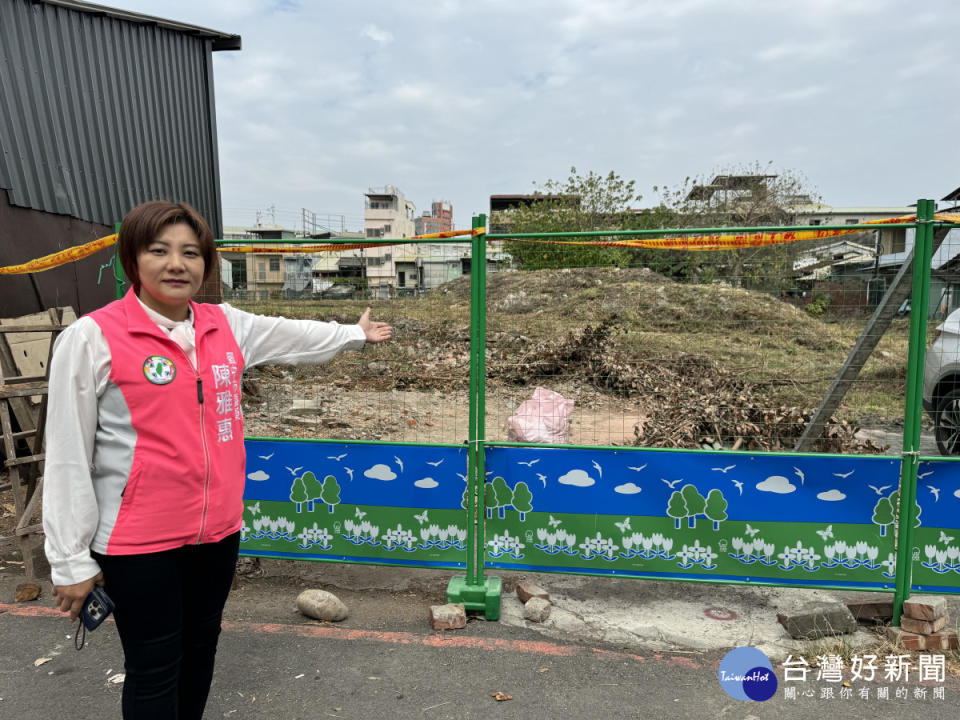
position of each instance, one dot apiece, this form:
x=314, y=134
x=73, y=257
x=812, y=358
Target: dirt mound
x=549, y=283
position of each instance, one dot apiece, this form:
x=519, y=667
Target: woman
x=144, y=472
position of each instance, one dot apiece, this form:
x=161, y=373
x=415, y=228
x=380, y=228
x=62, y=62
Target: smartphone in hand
x=96, y=608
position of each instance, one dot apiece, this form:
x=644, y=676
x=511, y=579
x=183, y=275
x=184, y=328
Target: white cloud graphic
x=426, y=483
x=580, y=478
x=258, y=475
x=831, y=496
x=776, y=484
x=627, y=489
x=957, y=494
x=380, y=472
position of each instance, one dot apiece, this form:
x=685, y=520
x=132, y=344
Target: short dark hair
x=143, y=224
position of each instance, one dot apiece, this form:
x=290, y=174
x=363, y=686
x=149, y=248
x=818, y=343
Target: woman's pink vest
x=186, y=481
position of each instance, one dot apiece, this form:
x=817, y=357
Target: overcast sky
x=458, y=100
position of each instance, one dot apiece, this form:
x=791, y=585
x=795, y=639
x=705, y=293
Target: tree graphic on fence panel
x=330, y=492
x=695, y=503
x=677, y=508
x=314, y=489
x=489, y=499
x=716, y=508
x=895, y=503
x=504, y=494
x=298, y=493
x=883, y=514
x=522, y=499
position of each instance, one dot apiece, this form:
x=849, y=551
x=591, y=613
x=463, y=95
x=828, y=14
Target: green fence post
x=922, y=251
x=117, y=267
x=472, y=589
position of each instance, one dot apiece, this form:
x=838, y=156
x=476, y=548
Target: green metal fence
x=623, y=507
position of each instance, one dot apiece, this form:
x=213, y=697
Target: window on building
x=852, y=221
x=261, y=270
x=374, y=232
x=814, y=222
x=274, y=264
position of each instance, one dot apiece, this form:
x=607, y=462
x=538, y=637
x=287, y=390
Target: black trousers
x=168, y=610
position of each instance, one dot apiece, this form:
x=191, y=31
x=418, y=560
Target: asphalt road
x=301, y=669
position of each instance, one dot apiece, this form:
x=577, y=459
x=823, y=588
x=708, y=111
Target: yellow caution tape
x=48, y=262
x=719, y=241
x=288, y=249
x=732, y=241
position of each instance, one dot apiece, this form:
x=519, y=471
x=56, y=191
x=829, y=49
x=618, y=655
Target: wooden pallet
x=23, y=441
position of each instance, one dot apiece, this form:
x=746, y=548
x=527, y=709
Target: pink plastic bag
x=544, y=418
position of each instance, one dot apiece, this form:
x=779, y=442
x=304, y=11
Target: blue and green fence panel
x=800, y=520
x=936, y=535
x=390, y=504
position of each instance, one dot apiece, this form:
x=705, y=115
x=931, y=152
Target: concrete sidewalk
x=637, y=615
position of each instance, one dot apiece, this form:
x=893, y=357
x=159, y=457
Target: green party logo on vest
x=159, y=370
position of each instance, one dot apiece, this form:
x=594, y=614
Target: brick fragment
x=536, y=609
x=924, y=627
x=527, y=590
x=448, y=617
x=925, y=607
x=906, y=640
x=944, y=640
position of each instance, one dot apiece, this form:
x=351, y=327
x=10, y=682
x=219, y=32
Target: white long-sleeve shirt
x=79, y=373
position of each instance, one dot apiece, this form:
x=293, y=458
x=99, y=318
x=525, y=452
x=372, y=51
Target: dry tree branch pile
x=690, y=401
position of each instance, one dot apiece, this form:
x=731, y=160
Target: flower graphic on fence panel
x=808, y=557
x=315, y=536
x=506, y=543
x=398, y=538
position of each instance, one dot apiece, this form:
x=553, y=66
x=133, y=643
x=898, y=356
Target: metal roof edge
x=221, y=40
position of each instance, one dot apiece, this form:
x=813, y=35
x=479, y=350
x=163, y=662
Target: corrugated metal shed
x=101, y=109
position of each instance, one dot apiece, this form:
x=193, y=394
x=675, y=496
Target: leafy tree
x=489, y=498
x=298, y=493
x=522, y=498
x=742, y=196
x=716, y=508
x=331, y=492
x=739, y=196
x=313, y=487
x=504, y=494
x=581, y=203
x=883, y=514
x=677, y=508
x=695, y=503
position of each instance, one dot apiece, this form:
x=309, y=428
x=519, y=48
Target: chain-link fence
x=726, y=349
x=723, y=349
x=412, y=389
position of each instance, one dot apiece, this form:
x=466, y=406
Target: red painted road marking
x=440, y=640
x=719, y=613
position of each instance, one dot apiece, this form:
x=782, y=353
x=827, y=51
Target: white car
x=941, y=385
